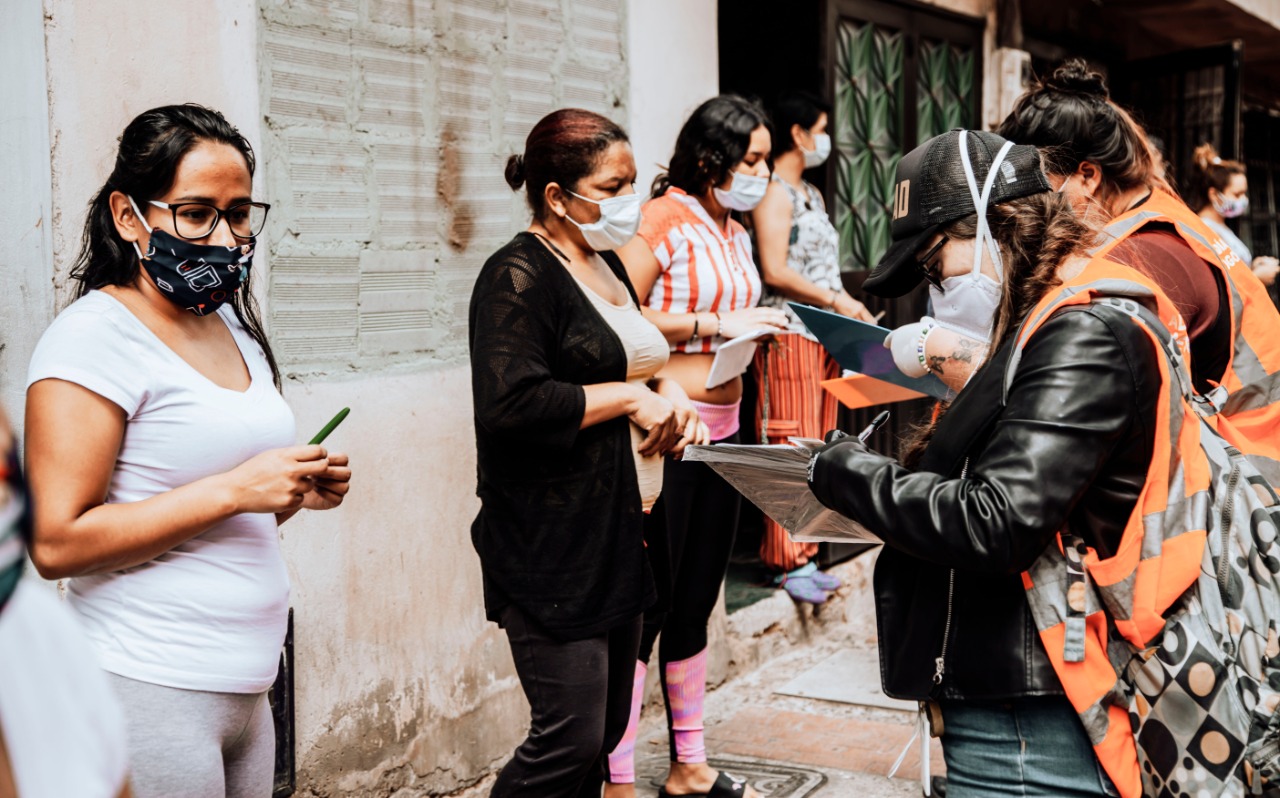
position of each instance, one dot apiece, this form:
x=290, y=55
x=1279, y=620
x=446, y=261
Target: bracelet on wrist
x=695, y=327
x=834, y=296
x=719, y=324
x=920, y=342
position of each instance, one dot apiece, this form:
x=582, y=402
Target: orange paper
x=862, y=391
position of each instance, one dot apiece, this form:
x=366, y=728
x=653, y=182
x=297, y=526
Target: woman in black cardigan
x=557, y=342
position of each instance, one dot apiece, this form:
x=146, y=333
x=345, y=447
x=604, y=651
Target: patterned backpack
x=1169, y=649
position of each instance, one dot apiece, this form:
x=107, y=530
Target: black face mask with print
x=197, y=277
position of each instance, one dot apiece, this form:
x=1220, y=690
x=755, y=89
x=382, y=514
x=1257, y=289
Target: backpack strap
x=1073, y=549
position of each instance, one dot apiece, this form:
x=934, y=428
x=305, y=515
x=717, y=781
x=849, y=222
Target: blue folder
x=858, y=346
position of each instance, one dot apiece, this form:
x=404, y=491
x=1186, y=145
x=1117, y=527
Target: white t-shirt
x=63, y=729
x=209, y=614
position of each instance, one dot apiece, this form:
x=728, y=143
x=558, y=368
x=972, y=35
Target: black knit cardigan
x=560, y=529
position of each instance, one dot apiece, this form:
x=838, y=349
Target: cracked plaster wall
x=382, y=127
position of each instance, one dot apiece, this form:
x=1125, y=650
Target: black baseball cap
x=930, y=191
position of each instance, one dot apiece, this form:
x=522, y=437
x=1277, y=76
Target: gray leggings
x=193, y=744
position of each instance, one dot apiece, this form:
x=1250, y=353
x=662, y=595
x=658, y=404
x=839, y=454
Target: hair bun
x=1205, y=156
x=515, y=172
x=1076, y=77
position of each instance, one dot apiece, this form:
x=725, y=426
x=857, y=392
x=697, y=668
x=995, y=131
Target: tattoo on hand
x=935, y=363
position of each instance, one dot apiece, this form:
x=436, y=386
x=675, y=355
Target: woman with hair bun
x=1098, y=155
x=572, y=425
x=1221, y=193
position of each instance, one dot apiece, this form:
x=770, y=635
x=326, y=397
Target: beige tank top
x=647, y=352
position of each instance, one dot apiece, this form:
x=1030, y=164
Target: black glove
x=835, y=438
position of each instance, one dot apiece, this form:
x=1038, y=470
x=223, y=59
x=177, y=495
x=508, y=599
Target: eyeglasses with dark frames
x=196, y=220
x=929, y=268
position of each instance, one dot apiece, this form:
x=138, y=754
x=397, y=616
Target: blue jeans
x=1023, y=748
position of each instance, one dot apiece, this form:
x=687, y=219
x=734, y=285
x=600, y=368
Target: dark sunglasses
x=930, y=269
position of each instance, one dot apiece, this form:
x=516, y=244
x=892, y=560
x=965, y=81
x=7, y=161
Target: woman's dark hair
x=1036, y=235
x=564, y=147
x=712, y=142
x=794, y=108
x=1071, y=118
x=1212, y=172
x=151, y=149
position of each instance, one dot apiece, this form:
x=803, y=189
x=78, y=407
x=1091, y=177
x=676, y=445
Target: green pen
x=330, y=427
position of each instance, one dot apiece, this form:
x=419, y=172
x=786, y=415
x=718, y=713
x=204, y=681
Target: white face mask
x=820, y=152
x=619, y=220
x=745, y=192
x=967, y=303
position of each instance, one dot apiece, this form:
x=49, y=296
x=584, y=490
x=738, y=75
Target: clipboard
x=858, y=346
x=773, y=478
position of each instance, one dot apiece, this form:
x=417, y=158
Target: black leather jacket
x=1069, y=450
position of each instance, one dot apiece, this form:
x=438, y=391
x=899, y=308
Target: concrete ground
x=792, y=747
x=788, y=746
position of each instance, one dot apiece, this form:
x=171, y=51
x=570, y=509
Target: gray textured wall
x=388, y=125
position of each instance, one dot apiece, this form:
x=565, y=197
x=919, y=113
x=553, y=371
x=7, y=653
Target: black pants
x=579, y=695
x=693, y=526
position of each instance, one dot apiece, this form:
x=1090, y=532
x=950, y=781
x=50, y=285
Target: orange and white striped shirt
x=704, y=269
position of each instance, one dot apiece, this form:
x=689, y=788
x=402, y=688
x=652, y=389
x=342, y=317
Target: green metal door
x=900, y=77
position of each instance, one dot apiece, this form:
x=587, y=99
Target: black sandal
x=726, y=786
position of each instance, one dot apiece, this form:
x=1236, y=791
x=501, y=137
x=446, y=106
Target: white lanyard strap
x=980, y=199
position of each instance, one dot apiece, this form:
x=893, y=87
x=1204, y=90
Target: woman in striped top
x=691, y=266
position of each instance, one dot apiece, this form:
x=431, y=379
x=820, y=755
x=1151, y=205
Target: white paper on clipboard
x=734, y=356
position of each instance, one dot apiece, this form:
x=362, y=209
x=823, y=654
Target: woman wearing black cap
x=1099, y=157
x=1066, y=448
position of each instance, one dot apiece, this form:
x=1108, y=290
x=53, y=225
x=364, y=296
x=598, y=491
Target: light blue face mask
x=745, y=192
x=820, y=152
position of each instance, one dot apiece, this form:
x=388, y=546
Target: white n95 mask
x=967, y=303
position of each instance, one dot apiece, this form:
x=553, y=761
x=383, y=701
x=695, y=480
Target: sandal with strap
x=726, y=786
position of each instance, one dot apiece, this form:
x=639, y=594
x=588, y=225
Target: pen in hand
x=876, y=423
x=835, y=435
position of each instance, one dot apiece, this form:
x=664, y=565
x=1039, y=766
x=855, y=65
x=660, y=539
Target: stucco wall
x=26, y=248
x=388, y=125
x=73, y=77
x=676, y=67
x=382, y=127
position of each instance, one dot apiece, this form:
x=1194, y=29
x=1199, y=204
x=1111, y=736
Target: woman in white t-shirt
x=161, y=458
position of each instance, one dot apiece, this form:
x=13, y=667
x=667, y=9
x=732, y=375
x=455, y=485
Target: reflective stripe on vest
x=1249, y=417
x=1072, y=594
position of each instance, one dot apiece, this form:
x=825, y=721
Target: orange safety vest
x=1248, y=400
x=1159, y=554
